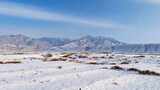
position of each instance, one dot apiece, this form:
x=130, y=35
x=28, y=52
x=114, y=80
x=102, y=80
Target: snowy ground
x=35, y=74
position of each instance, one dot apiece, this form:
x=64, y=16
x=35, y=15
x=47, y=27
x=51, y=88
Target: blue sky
x=133, y=21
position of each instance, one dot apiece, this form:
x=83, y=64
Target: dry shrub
x=53, y=59
x=103, y=57
x=140, y=56
x=1, y=62
x=62, y=59
x=72, y=57
x=115, y=83
x=125, y=62
x=117, y=68
x=104, y=67
x=110, y=57
x=57, y=59
x=148, y=72
x=92, y=62
x=67, y=54
x=142, y=72
x=95, y=57
x=82, y=56
x=47, y=55
x=136, y=62
x=133, y=69
x=12, y=62
x=59, y=67
x=19, y=53
x=112, y=63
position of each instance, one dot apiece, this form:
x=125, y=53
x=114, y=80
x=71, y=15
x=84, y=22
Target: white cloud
x=13, y=9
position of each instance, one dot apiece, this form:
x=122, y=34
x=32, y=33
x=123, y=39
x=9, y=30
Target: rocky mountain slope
x=16, y=43
x=89, y=43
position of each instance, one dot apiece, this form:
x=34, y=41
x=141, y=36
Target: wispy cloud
x=22, y=11
x=151, y=1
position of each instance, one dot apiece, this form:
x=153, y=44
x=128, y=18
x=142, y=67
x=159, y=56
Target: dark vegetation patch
x=47, y=55
x=57, y=59
x=67, y=54
x=148, y=72
x=92, y=63
x=104, y=67
x=140, y=56
x=54, y=59
x=133, y=69
x=125, y=62
x=142, y=72
x=136, y=62
x=59, y=67
x=117, y=68
x=110, y=57
x=82, y=56
x=112, y=63
x=10, y=62
x=19, y=53
x=115, y=83
x=1, y=62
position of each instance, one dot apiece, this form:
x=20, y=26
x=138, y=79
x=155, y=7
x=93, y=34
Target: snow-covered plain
x=35, y=74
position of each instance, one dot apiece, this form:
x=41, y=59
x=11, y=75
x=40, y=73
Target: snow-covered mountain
x=22, y=43
x=89, y=43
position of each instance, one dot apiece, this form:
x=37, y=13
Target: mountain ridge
x=22, y=43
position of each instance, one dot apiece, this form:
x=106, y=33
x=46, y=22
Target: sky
x=131, y=21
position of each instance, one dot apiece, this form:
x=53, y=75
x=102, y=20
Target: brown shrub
x=57, y=59
x=67, y=54
x=148, y=72
x=115, y=83
x=142, y=72
x=133, y=69
x=47, y=55
x=136, y=62
x=125, y=62
x=117, y=68
x=112, y=63
x=102, y=57
x=92, y=62
x=140, y=56
x=82, y=56
x=104, y=67
x=59, y=67
x=111, y=57
x=1, y=62
x=53, y=59
x=62, y=59
x=11, y=62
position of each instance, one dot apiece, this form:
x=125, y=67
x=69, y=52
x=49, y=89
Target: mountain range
x=22, y=43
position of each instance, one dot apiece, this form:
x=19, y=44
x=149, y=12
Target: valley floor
x=34, y=74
